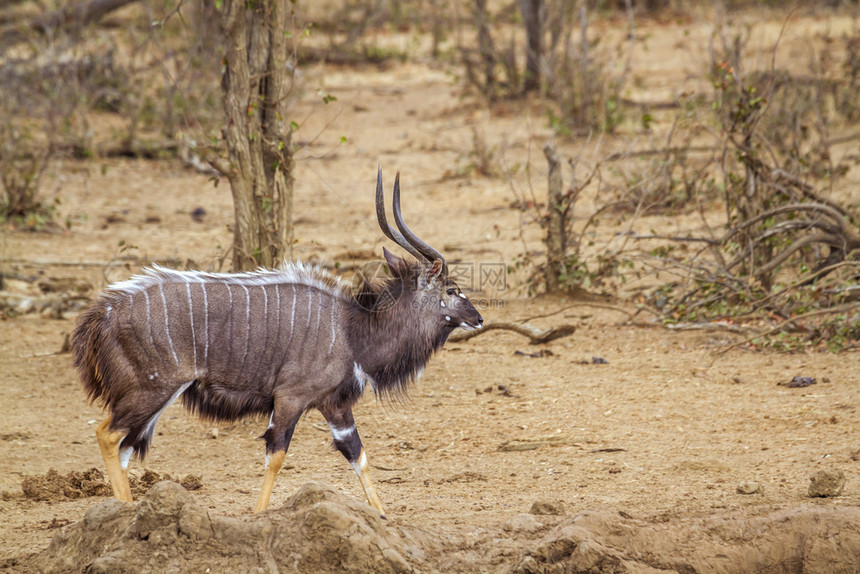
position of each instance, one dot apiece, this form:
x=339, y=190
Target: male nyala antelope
x=276, y=342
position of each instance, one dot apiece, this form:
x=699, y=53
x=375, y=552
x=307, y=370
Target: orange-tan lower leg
x=109, y=445
x=363, y=472
x=276, y=460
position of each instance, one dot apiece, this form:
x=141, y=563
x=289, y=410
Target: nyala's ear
x=397, y=265
x=431, y=275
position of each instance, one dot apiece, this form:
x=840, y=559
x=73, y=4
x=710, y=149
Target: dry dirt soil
x=505, y=457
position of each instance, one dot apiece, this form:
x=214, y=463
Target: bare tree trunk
x=256, y=83
x=485, y=46
x=534, y=18
x=556, y=224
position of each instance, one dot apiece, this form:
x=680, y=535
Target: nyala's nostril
x=481, y=321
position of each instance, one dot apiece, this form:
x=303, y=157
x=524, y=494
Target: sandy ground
x=663, y=430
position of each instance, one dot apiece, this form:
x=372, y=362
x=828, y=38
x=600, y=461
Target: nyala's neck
x=391, y=349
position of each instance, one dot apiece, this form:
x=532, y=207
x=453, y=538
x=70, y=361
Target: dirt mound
x=140, y=484
x=53, y=486
x=319, y=530
x=805, y=539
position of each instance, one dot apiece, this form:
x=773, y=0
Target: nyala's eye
x=452, y=291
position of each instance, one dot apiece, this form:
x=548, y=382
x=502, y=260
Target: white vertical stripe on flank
x=310, y=307
x=319, y=318
x=230, y=332
x=148, y=316
x=265, y=313
x=333, y=332
x=193, y=334
x=265, y=344
x=278, y=312
x=292, y=315
x=247, y=324
x=167, y=324
x=205, y=326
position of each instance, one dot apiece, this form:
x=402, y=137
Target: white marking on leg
x=150, y=426
x=125, y=456
x=193, y=334
x=361, y=378
x=341, y=434
x=271, y=425
x=167, y=325
x=205, y=326
x=360, y=464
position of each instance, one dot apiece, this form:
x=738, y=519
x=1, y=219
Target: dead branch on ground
x=536, y=336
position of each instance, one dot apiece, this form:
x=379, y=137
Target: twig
x=693, y=326
x=583, y=304
x=649, y=152
x=673, y=238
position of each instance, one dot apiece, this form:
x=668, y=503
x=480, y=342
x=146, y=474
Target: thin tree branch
x=780, y=326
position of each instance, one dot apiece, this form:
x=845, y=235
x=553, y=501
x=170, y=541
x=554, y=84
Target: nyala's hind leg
x=278, y=435
x=347, y=441
x=109, y=445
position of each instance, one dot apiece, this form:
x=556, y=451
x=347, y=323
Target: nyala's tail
x=86, y=341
